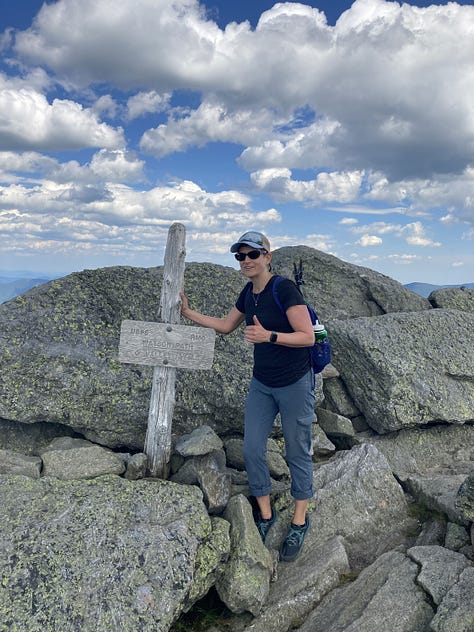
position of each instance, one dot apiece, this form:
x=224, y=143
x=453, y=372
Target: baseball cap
x=253, y=239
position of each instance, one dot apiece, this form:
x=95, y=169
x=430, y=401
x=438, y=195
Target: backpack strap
x=312, y=314
x=275, y=294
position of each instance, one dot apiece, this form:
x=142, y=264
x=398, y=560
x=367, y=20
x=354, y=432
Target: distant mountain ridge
x=9, y=288
x=425, y=289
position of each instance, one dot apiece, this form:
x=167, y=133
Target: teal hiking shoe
x=264, y=526
x=291, y=547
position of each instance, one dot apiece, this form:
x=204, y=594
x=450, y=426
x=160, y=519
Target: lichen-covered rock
x=98, y=555
x=357, y=497
x=465, y=497
x=322, y=446
x=59, y=344
x=29, y=439
x=456, y=611
x=384, y=594
x=408, y=369
x=213, y=553
x=444, y=449
x=301, y=585
x=19, y=464
x=83, y=462
x=244, y=582
x=340, y=290
x=453, y=298
x=440, y=569
x=59, y=355
x=334, y=425
x=136, y=466
x=457, y=537
x=200, y=441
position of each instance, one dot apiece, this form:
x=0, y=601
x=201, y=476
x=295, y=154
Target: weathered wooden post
x=166, y=346
x=160, y=415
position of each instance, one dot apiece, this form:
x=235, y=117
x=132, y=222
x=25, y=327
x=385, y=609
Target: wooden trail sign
x=166, y=346
x=162, y=344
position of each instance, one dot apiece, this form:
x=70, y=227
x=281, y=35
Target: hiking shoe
x=264, y=526
x=291, y=547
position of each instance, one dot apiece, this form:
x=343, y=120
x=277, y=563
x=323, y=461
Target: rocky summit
x=90, y=541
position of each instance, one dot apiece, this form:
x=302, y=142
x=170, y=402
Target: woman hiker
x=282, y=381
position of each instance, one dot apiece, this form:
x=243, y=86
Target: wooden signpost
x=166, y=346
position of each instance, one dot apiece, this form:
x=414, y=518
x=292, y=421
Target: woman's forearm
x=222, y=325
x=218, y=324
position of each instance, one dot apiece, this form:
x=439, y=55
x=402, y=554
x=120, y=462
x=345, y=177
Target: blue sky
x=348, y=127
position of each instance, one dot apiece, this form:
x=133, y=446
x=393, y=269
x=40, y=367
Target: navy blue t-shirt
x=275, y=365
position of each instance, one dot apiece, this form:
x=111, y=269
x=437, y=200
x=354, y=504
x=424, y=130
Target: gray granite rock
x=384, y=594
x=401, y=371
x=433, y=532
x=214, y=480
x=322, y=446
x=465, y=497
x=337, y=399
x=356, y=497
x=442, y=449
x=99, y=555
x=136, y=467
x=301, y=585
x=59, y=344
x=453, y=298
x=457, y=536
x=340, y=290
x=456, y=611
x=81, y=463
x=334, y=425
x=438, y=493
x=200, y=441
x=18, y=464
x=244, y=582
x=440, y=569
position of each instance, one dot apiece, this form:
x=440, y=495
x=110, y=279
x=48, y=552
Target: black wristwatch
x=273, y=337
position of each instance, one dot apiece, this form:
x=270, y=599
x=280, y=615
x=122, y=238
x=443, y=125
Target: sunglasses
x=253, y=254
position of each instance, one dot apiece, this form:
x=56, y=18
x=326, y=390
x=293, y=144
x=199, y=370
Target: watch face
x=273, y=337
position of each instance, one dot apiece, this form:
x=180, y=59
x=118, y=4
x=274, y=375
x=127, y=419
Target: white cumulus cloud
x=29, y=121
x=370, y=240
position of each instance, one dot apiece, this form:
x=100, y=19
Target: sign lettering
x=162, y=344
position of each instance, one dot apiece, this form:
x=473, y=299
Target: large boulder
x=102, y=554
x=244, y=582
x=456, y=611
x=59, y=344
x=436, y=449
x=59, y=355
x=340, y=290
x=385, y=596
x=453, y=298
x=301, y=585
x=440, y=569
x=357, y=497
x=408, y=369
